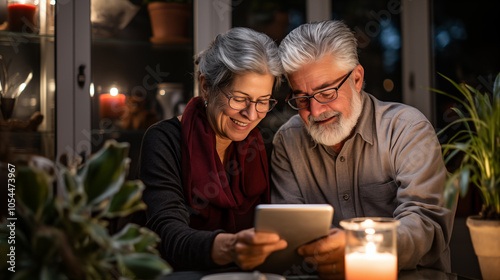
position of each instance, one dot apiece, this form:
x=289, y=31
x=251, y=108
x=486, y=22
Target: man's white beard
x=336, y=132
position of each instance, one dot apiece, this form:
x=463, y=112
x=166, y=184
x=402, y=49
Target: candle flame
x=370, y=248
x=368, y=223
x=91, y=90
x=113, y=91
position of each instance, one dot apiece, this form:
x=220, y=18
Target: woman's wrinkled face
x=235, y=125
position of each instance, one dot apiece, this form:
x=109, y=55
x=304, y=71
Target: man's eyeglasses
x=240, y=103
x=323, y=97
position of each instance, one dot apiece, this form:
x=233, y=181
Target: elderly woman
x=205, y=171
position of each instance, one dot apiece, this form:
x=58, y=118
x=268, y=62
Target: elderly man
x=363, y=156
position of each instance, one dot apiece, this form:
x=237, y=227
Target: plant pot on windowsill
x=169, y=20
x=478, y=144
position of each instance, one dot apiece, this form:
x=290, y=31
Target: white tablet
x=298, y=224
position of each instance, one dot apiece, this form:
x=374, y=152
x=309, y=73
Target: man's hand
x=327, y=255
x=246, y=248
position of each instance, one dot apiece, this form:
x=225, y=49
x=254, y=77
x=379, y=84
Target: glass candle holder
x=371, y=249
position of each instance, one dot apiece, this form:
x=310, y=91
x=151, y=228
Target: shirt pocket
x=378, y=200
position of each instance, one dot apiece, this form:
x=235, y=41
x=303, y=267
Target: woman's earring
x=205, y=103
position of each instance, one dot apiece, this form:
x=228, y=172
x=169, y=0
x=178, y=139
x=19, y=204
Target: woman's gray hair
x=238, y=51
x=311, y=41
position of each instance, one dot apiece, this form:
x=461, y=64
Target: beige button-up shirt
x=391, y=167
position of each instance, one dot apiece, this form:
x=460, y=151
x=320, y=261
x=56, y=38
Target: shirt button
x=342, y=159
x=346, y=196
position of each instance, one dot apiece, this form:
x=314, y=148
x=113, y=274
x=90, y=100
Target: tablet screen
x=298, y=224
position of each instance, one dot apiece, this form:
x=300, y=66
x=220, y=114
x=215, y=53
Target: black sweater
x=168, y=214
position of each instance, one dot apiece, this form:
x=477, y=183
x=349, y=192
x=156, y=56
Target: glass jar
x=22, y=16
x=371, y=248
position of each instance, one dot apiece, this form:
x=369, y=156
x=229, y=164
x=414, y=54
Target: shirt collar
x=366, y=123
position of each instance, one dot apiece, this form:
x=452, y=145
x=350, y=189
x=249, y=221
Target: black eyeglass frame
x=271, y=100
x=289, y=100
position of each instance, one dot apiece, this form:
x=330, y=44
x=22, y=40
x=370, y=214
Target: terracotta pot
x=485, y=235
x=169, y=21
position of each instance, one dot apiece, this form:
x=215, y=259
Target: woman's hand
x=246, y=248
x=252, y=248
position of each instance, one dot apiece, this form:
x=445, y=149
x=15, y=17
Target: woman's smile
x=239, y=123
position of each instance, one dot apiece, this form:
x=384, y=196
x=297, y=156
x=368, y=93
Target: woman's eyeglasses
x=240, y=103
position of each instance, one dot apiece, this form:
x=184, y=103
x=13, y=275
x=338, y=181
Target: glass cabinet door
x=27, y=79
x=140, y=74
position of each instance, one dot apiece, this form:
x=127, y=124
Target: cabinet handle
x=81, y=76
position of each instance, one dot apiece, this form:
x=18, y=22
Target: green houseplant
x=477, y=147
x=65, y=236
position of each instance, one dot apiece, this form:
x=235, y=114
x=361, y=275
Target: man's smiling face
x=330, y=123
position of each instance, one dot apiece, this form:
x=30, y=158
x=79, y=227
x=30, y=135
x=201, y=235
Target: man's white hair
x=311, y=41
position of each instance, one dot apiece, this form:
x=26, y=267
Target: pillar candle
x=112, y=105
x=373, y=266
x=21, y=17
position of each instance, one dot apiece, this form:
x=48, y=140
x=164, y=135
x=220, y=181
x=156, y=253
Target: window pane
x=377, y=27
x=466, y=48
x=275, y=18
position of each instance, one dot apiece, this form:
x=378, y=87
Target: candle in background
x=112, y=104
x=371, y=249
x=21, y=15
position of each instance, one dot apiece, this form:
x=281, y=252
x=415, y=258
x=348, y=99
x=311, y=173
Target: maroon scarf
x=219, y=202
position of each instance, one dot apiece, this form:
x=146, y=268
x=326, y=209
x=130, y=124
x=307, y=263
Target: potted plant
x=65, y=236
x=169, y=20
x=477, y=147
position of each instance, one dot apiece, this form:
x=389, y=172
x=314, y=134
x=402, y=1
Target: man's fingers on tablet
x=318, y=248
x=318, y=259
x=333, y=242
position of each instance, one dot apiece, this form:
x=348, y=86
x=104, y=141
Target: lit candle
x=371, y=249
x=112, y=104
x=371, y=265
x=21, y=16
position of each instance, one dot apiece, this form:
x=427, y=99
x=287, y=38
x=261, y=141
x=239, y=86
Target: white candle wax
x=371, y=266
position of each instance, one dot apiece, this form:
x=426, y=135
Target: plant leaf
x=496, y=88
x=105, y=172
x=143, y=266
x=451, y=191
x=46, y=245
x=148, y=241
x=34, y=188
x=464, y=180
x=142, y=239
x=68, y=180
x=127, y=200
x=479, y=144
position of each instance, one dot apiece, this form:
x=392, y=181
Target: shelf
x=170, y=45
x=27, y=143
x=10, y=37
